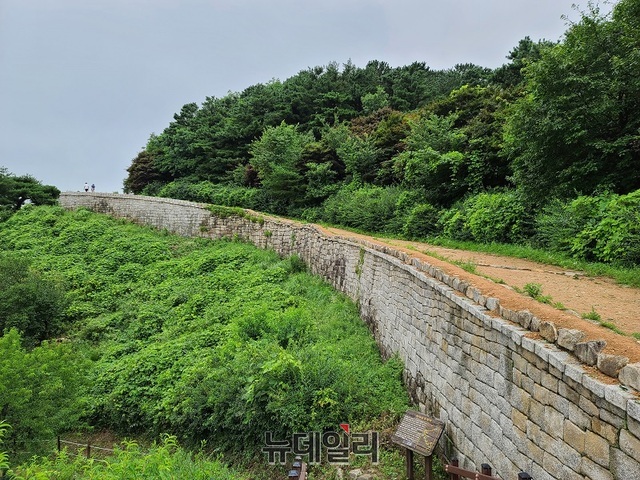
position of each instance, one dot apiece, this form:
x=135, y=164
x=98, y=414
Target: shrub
x=369, y=208
x=215, y=341
x=41, y=391
x=207, y=192
x=487, y=217
x=422, y=221
x=559, y=223
x=29, y=302
x=605, y=228
x=614, y=236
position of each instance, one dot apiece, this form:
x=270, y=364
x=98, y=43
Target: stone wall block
x=630, y=376
x=623, y=466
x=472, y=292
x=611, y=364
x=508, y=314
x=535, y=324
x=633, y=410
x=593, y=471
x=594, y=386
x=558, y=360
x=529, y=344
x=574, y=372
x=524, y=318
x=617, y=396
x=492, y=304
x=605, y=430
x=587, y=352
x=569, y=338
x=597, y=448
x=574, y=436
x=548, y=331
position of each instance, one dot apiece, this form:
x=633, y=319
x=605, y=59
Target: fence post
x=453, y=476
x=88, y=450
x=58, y=443
x=485, y=469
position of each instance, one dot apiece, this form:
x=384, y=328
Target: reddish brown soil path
x=578, y=293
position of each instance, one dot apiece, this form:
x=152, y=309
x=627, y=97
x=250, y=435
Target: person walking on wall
x=86, y=187
x=93, y=187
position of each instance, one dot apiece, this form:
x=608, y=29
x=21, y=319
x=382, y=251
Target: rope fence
x=87, y=447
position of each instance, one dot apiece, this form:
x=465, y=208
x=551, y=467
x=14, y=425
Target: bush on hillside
x=368, y=208
x=217, y=194
x=487, y=217
x=30, y=302
x=41, y=391
x=560, y=222
x=422, y=221
x=617, y=234
x=604, y=228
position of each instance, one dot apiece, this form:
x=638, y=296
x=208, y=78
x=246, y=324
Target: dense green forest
x=111, y=326
x=544, y=150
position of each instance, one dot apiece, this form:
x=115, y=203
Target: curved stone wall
x=516, y=403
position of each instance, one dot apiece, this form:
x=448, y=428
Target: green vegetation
x=592, y=315
x=467, y=266
x=597, y=318
x=16, y=191
x=4, y=457
x=30, y=302
x=612, y=326
x=226, y=212
x=541, y=152
x=108, y=325
x=162, y=461
x=214, y=342
x=534, y=290
x=42, y=391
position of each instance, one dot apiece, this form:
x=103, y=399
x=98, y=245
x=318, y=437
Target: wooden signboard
x=418, y=433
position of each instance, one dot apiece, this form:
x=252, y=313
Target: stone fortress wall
x=509, y=400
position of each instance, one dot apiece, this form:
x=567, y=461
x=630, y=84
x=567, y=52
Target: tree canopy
x=15, y=191
x=577, y=128
x=558, y=120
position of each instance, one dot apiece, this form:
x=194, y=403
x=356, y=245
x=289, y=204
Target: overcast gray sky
x=83, y=83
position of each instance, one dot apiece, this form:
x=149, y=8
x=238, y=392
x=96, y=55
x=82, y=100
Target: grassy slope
x=214, y=341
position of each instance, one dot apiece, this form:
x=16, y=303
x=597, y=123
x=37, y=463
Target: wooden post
x=453, y=476
x=428, y=467
x=88, y=450
x=409, y=460
x=58, y=443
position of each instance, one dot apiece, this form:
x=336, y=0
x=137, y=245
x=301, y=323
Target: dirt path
x=617, y=304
